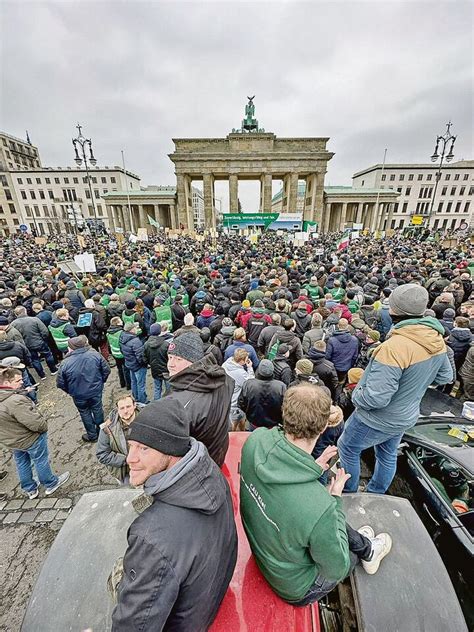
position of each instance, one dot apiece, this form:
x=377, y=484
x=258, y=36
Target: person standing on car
x=172, y=578
x=387, y=398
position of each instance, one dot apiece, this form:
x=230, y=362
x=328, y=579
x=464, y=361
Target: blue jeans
x=161, y=386
x=44, y=352
x=357, y=436
x=138, y=379
x=36, y=455
x=92, y=414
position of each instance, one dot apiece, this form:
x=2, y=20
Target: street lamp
x=83, y=143
x=441, y=144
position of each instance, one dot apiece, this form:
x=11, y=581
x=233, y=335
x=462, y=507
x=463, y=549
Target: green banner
x=243, y=220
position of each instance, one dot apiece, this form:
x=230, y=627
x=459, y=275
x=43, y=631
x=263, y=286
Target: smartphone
x=335, y=466
x=333, y=461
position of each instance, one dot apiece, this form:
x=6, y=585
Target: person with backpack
x=75, y=296
x=302, y=320
x=91, y=324
x=261, y=399
x=257, y=322
x=113, y=340
x=288, y=337
x=368, y=346
x=155, y=351
x=226, y=335
x=282, y=369
x=61, y=330
x=368, y=314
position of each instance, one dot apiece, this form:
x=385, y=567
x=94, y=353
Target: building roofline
x=459, y=164
x=72, y=170
x=18, y=140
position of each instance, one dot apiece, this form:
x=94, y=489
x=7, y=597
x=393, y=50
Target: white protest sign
x=85, y=262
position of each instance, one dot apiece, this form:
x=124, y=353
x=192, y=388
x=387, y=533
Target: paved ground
x=28, y=528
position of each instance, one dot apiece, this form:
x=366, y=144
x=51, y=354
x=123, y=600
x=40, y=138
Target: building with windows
x=450, y=206
x=198, y=207
x=16, y=153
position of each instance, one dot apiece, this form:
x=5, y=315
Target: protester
x=23, y=430
x=342, y=350
x=113, y=338
x=314, y=334
x=182, y=549
x=35, y=335
x=133, y=354
x=261, y=399
x=82, y=375
x=240, y=338
x=61, y=330
x=295, y=526
x=324, y=368
x=239, y=368
x=112, y=446
x=155, y=352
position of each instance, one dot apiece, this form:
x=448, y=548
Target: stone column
x=375, y=217
x=319, y=198
x=390, y=216
x=360, y=212
x=326, y=218
x=172, y=215
x=126, y=218
x=266, y=193
x=309, y=201
x=182, y=187
x=209, y=210
x=110, y=215
x=292, y=193
x=142, y=218
x=381, y=216
x=343, y=216
x=233, y=193
x=156, y=215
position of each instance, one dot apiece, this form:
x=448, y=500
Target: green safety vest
x=163, y=313
x=59, y=336
x=185, y=301
x=130, y=318
x=114, y=344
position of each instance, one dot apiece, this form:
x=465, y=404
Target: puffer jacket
x=240, y=375
x=460, y=340
x=205, y=390
x=302, y=320
x=342, y=350
x=282, y=370
x=261, y=400
x=21, y=423
x=83, y=373
x=156, y=354
x=255, y=325
x=35, y=333
x=325, y=370
x=133, y=351
x=18, y=350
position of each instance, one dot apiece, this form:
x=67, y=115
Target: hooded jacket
x=114, y=309
x=291, y=339
x=34, y=332
x=205, y=390
x=312, y=336
x=295, y=528
x=156, y=354
x=261, y=400
x=266, y=335
x=21, y=423
x=325, y=370
x=302, y=320
x=16, y=349
x=205, y=318
x=225, y=336
x=388, y=396
x=83, y=373
x=181, y=550
x=282, y=370
x=256, y=324
x=342, y=350
x=132, y=349
x=460, y=340
x=240, y=375
x=13, y=334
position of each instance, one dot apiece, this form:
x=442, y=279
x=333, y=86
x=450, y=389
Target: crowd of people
x=318, y=356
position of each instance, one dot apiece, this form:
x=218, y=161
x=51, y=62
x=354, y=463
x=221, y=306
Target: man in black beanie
x=204, y=389
x=173, y=578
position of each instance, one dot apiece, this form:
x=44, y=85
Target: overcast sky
x=136, y=74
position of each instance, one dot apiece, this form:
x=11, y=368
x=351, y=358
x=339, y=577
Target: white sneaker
x=367, y=531
x=62, y=478
x=32, y=495
x=54, y=372
x=381, y=546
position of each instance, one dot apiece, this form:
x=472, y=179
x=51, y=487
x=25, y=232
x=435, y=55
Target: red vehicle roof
x=250, y=603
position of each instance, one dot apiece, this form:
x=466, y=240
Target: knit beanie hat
x=373, y=335
x=187, y=346
x=354, y=375
x=155, y=329
x=246, y=303
x=164, y=426
x=305, y=367
x=408, y=300
x=358, y=323
x=265, y=368
x=77, y=343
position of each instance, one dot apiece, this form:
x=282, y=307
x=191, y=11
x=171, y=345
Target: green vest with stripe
x=163, y=313
x=59, y=336
x=130, y=318
x=114, y=344
x=185, y=301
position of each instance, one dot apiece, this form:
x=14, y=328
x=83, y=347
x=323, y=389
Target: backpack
x=273, y=350
x=328, y=330
x=222, y=342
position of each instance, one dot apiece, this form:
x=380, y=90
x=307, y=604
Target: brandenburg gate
x=250, y=153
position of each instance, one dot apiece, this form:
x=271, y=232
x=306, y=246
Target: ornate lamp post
x=82, y=144
x=441, y=146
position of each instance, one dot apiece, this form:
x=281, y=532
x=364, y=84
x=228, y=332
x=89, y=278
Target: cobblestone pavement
x=28, y=527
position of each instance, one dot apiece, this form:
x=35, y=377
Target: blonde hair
x=306, y=409
x=239, y=334
x=240, y=354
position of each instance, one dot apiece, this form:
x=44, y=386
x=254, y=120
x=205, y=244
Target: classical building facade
x=157, y=202
x=415, y=185
x=343, y=206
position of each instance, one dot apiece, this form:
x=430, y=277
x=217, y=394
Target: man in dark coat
x=172, y=578
x=342, y=349
x=133, y=354
x=156, y=354
x=324, y=368
x=261, y=399
x=204, y=389
x=82, y=375
x=35, y=335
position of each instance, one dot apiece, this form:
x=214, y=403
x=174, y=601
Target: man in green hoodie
x=295, y=525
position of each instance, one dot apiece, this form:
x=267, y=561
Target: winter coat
x=68, y=330
x=45, y=316
x=325, y=370
x=114, y=308
x=205, y=318
x=302, y=320
x=96, y=331
x=155, y=352
x=448, y=324
x=369, y=315
x=291, y=339
x=312, y=336
x=384, y=323
x=18, y=350
x=460, y=340
x=388, y=396
x=181, y=550
x=132, y=349
x=242, y=345
x=13, y=334
x=225, y=337
x=208, y=347
x=261, y=400
x=206, y=390
x=178, y=312
x=255, y=325
x=467, y=374
x=35, y=333
x=282, y=370
x=342, y=350
x=265, y=336
x=83, y=373
x=75, y=296
x=240, y=374
x=21, y=423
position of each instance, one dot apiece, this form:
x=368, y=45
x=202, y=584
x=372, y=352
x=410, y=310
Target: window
x=363, y=182
x=399, y=189
x=104, y=191
x=23, y=194
x=420, y=177
x=56, y=180
x=471, y=190
x=99, y=210
x=42, y=196
x=51, y=195
x=15, y=222
x=449, y=207
x=45, y=211
x=103, y=180
x=466, y=207
x=453, y=190
x=75, y=180
x=456, y=176
x=20, y=181
x=384, y=177
x=402, y=177
x=408, y=191
x=410, y=176
x=462, y=190
x=66, y=180
x=94, y=180
x=47, y=180
x=28, y=211
x=38, y=180
x=37, y=213
x=458, y=207
x=8, y=194
x=405, y=207
x=88, y=194
x=429, y=176
x=444, y=190
x=395, y=207
x=465, y=176
x=447, y=176
x=32, y=195
x=112, y=179
x=28, y=181
x=84, y=179
x=12, y=209
x=96, y=193
x=392, y=177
